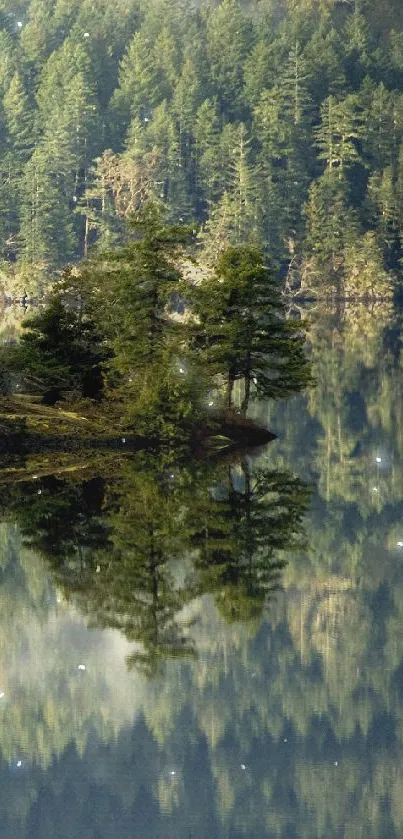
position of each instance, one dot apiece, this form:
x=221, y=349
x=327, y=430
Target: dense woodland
x=111, y=343
x=276, y=122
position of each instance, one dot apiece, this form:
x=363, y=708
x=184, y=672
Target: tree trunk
x=230, y=388
x=86, y=236
x=245, y=401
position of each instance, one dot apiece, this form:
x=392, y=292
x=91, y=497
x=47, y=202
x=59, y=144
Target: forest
x=277, y=123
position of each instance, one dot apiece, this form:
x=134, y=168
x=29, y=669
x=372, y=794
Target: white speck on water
x=375, y=489
x=336, y=763
x=172, y=772
x=58, y=599
x=211, y=404
x=19, y=763
x=19, y=24
x=81, y=667
x=285, y=740
x=39, y=492
x=123, y=439
x=378, y=459
x=98, y=569
x=243, y=766
x=2, y=694
x=400, y=544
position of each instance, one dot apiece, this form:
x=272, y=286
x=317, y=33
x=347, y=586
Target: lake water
x=214, y=650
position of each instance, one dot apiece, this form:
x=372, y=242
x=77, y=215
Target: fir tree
x=244, y=334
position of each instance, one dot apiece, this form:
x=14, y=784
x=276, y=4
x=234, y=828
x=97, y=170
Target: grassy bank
x=27, y=426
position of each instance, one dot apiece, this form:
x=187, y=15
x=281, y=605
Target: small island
x=135, y=348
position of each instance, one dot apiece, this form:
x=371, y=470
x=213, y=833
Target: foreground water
x=195, y=650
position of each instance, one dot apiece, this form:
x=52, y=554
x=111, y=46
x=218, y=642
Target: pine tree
x=186, y=98
x=331, y=225
x=325, y=57
x=379, y=125
x=229, y=39
x=339, y=132
x=38, y=36
x=68, y=113
x=243, y=332
x=20, y=121
x=207, y=143
x=141, y=87
x=131, y=292
x=60, y=350
x=161, y=137
x=46, y=232
x=8, y=60
x=382, y=205
x=167, y=59
x=358, y=47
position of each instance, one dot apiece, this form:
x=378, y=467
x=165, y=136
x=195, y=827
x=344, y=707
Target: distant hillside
x=279, y=123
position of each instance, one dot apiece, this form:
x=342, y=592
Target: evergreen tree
x=207, y=142
x=229, y=39
x=339, y=132
x=131, y=292
x=244, y=334
x=142, y=86
x=46, y=229
x=330, y=225
x=60, y=351
x=20, y=122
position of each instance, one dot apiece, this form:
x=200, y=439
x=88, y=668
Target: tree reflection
x=134, y=549
x=238, y=526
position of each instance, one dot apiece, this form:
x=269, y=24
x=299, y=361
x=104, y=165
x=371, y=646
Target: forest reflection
x=304, y=690
x=134, y=546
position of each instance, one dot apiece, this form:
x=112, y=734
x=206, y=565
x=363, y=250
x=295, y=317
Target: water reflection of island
x=134, y=548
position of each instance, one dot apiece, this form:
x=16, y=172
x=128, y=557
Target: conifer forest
x=273, y=122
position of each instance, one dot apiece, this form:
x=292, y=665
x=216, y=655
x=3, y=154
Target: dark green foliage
x=243, y=331
x=132, y=290
x=112, y=330
x=60, y=351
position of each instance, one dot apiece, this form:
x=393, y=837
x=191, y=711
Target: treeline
x=275, y=123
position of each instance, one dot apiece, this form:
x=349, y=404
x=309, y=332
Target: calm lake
x=214, y=649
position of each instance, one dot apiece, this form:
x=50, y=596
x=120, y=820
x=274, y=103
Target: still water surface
x=195, y=650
